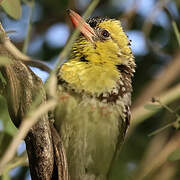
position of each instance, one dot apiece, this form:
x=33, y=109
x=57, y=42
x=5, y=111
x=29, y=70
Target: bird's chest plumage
x=89, y=129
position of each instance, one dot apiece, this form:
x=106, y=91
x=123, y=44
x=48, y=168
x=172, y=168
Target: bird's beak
x=84, y=27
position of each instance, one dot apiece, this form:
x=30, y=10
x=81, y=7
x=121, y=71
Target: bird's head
x=99, y=56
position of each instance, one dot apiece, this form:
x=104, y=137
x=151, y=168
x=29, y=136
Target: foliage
x=12, y=8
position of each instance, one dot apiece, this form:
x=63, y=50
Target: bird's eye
x=105, y=33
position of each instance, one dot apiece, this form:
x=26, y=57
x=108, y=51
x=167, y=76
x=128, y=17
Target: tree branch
x=18, y=55
x=139, y=114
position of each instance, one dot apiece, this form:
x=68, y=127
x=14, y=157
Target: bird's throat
x=90, y=77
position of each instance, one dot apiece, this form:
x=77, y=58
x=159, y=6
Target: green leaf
x=2, y=79
x=152, y=107
x=175, y=155
x=8, y=126
x=4, y=60
x=12, y=8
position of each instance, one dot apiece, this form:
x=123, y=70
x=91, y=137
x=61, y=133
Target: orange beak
x=84, y=27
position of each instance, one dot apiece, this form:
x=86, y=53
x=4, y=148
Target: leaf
x=175, y=155
x=2, y=79
x=12, y=8
x=152, y=107
x=8, y=126
x=4, y=60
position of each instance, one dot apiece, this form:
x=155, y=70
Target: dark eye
x=93, y=24
x=105, y=33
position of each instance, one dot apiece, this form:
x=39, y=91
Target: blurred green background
x=157, y=55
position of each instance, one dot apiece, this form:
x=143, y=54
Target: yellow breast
x=92, y=78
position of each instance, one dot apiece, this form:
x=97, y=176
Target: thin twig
x=174, y=25
x=140, y=114
x=18, y=55
x=161, y=129
x=17, y=161
x=28, y=36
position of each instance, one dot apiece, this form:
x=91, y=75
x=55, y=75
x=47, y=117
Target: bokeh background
x=157, y=54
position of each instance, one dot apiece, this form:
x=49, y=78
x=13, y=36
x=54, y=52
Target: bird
x=94, y=97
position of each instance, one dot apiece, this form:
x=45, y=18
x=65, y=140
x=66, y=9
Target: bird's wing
x=123, y=126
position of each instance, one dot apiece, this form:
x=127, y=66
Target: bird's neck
x=92, y=78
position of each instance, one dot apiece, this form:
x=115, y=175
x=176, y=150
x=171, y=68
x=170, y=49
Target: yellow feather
x=100, y=73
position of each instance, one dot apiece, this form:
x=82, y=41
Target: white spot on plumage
x=123, y=89
x=115, y=91
x=121, y=83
